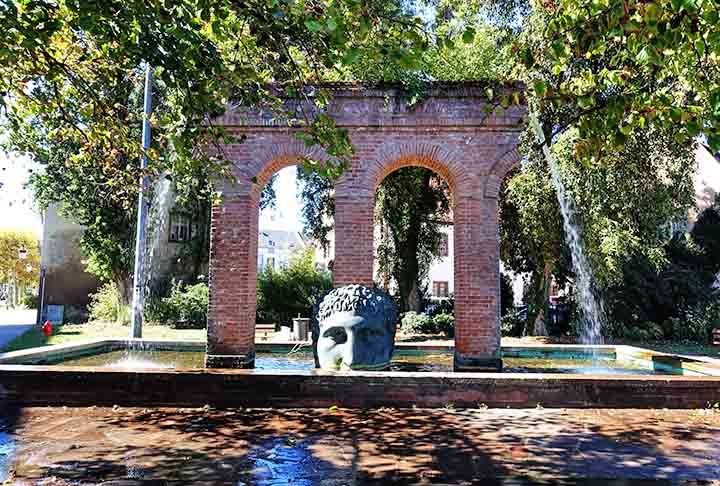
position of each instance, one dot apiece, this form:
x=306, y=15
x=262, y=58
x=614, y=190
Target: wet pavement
x=128, y=446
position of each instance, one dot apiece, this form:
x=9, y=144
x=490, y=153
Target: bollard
x=300, y=329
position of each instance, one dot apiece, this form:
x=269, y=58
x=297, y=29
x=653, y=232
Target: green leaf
x=540, y=87
x=313, y=25
x=469, y=35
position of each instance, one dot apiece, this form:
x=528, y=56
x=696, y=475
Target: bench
x=264, y=330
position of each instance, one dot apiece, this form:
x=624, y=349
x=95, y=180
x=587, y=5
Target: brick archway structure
x=449, y=132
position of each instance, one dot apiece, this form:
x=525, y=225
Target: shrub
x=643, y=332
x=414, y=323
x=697, y=323
x=435, y=305
x=185, y=307
x=444, y=324
x=29, y=300
x=513, y=322
x=105, y=305
x=676, y=296
x=283, y=294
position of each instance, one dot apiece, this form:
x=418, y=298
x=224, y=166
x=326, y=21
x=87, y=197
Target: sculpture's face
x=350, y=341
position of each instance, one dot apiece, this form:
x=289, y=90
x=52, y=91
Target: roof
x=281, y=239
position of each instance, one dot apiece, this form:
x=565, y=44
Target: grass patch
x=68, y=333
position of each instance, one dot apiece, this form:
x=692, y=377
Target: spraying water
x=593, y=315
x=158, y=221
x=158, y=226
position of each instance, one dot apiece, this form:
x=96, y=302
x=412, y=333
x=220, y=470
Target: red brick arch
x=449, y=133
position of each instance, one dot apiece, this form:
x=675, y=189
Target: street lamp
x=22, y=253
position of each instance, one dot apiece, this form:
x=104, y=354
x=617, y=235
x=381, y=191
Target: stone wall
x=66, y=281
x=449, y=132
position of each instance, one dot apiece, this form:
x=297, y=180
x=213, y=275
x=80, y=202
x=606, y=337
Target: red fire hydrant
x=47, y=328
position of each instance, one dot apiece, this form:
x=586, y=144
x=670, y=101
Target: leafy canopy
x=622, y=65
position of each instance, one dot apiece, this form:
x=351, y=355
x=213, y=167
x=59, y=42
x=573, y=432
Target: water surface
x=441, y=362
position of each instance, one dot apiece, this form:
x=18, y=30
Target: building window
x=440, y=289
x=443, y=250
x=270, y=262
x=181, y=227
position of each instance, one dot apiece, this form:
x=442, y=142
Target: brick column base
x=230, y=360
x=476, y=363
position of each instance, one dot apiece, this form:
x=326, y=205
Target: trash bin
x=300, y=329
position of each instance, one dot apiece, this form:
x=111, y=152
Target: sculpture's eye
x=337, y=334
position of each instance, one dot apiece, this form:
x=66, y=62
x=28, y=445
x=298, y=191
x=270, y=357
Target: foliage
x=65, y=75
x=532, y=236
x=643, y=332
x=444, y=324
x=318, y=205
x=650, y=180
x=413, y=322
x=620, y=66
x=286, y=293
x=434, y=306
x=678, y=295
x=29, y=300
x=13, y=269
x=513, y=323
x=507, y=300
x=71, y=76
x=106, y=305
x=185, y=307
x=696, y=324
x=412, y=205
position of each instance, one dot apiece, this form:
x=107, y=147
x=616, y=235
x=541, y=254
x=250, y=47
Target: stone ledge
x=234, y=361
x=65, y=386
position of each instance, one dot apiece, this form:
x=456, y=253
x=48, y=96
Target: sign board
x=54, y=314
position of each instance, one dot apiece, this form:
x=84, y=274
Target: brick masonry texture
x=449, y=132
x=73, y=386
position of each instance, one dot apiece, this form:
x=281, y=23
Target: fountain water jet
x=593, y=314
x=158, y=220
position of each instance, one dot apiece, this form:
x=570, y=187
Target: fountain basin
x=630, y=377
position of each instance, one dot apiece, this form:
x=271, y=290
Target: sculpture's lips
x=364, y=367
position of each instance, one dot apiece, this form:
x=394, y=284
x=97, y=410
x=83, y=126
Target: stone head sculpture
x=354, y=328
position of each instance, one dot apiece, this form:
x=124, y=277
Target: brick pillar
x=233, y=276
x=477, y=285
x=353, y=238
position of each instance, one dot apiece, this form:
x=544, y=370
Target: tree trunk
x=540, y=283
x=124, y=284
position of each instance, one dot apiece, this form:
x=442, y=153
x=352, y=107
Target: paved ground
x=14, y=322
x=56, y=446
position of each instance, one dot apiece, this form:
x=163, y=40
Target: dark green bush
x=678, y=297
x=286, y=293
x=185, y=307
x=414, y=323
x=697, y=324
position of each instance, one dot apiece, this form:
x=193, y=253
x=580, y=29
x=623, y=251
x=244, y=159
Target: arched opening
x=414, y=249
x=295, y=248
